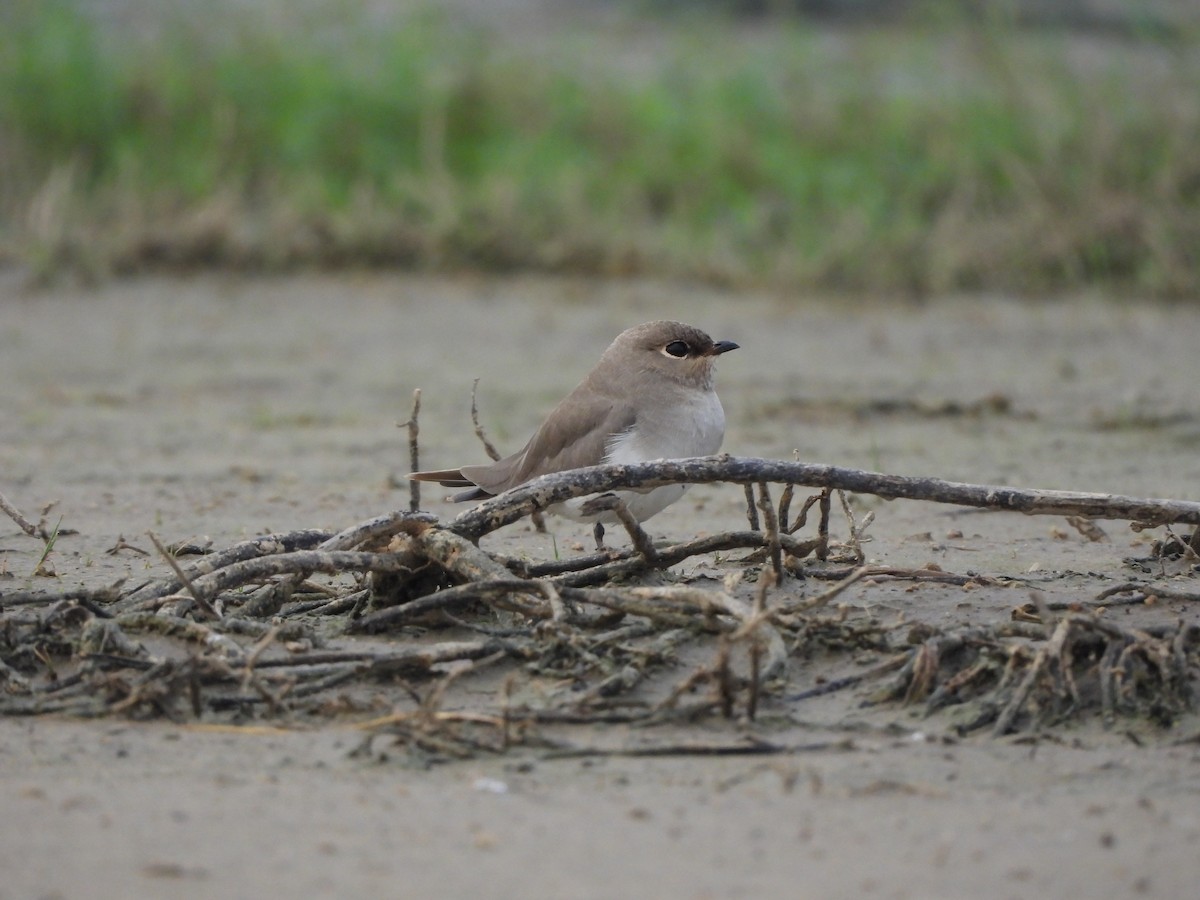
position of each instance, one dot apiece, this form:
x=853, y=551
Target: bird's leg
x=641, y=540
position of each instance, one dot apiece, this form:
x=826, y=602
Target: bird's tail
x=444, y=477
x=453, y=478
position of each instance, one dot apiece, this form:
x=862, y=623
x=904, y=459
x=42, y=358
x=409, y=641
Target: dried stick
x=772, y=527
x=839, y=684
x=1141, y=592
x=458, y=555
x=414, y=454
x=539, y=523
x=286, y=542
x=333, y=562
x=669, y=556
x=823, y=525
x=766, y=581
x=451, y=598
x=891, y=573
x=201, y=602
x=35, y=531
x=100, y=595
x=825, y=596
x=753, y=746
x=268, y=599
x=1052, y=649
x=550, y=489
x=195, y=632
x=856, y=530
x=785, y=505
x=637, y=535
x=751, y=509
x=260, y=546
x=801, y=517
x=488, y=447
x=260, y=647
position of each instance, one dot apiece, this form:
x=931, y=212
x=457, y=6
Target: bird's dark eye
x=678, y=349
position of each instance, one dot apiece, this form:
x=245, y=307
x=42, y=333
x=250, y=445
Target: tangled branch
x=405, y=598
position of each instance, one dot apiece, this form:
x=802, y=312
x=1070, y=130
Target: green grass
x=916, y=160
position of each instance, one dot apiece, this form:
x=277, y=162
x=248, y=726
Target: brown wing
x=573, y=435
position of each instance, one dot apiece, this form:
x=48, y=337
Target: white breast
x=695, y=426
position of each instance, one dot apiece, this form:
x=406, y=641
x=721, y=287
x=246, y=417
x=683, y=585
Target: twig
x=458, y=555
x=637, y=535
x=892, y=573
x=451, y=598
x=101, y=595
x=603, y=642
x=1143, y=592
x=488, y=447
x=414, y=454
x=765, y=582
x=285, y=542
x=772, y=528
x=751, y=509
x=823, y=525
x=754, y=747
x=1036, y=670
x=123, y=544
x=785, y=505
x=669, y=556
x=335, y=562
x=592, y=566
x=856, y=530
x=201, y=602
x=35, y=531
x=801, y=517
x=1087, y=528
x=378, y=527
x=840, y=684
x=539, y=522
x=825, y=596
x=256, y=547
x=256, y=651
x=186, y=629
x=550, y=489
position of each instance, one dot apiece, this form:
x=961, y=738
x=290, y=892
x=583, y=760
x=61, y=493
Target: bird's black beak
x=723, y=347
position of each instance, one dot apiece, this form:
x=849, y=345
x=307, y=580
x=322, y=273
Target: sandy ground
x=221, y=407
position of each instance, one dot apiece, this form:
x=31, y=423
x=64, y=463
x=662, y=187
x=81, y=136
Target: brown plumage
x=649, y=397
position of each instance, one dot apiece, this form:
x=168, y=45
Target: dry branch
x=494, y=590
x=573, y=623
x=550, y=489
x=488, y=447
x=256, y=547
x=414, y=452
x=595, y=568
x=274, y=544
x=206, y=587
x=201, y=601
x=38, y=531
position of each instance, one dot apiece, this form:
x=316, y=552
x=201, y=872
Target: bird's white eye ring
x=678, y=349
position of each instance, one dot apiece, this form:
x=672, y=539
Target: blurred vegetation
x=947, y=157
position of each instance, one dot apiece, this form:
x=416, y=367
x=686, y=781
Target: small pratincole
x=650, y=397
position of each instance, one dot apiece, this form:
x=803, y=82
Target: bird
x=651, y=396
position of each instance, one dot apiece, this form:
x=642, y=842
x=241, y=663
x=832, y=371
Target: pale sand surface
x=222, y=407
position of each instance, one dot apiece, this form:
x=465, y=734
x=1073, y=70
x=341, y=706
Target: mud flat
x=221, y=408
